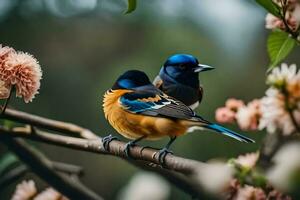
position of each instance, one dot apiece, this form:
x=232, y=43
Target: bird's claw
x=127, y=148
x=106, y=140
x=162, y=155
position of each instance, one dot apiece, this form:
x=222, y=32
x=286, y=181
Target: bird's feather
x=153, y=104
x=229, y=133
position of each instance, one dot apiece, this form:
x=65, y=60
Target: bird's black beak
x=202, y=68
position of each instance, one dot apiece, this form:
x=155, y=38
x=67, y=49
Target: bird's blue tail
x=228, y=132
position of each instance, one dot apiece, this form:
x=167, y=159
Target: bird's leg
x=106, y=140
x=131, y=144
x=164, y=151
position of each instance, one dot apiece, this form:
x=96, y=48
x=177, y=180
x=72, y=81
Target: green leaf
x=6, y=161
x=131, y=6
x=270, y=6
x=280, y=44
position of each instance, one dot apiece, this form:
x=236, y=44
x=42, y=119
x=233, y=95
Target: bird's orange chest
x=125, y=123
x=132, y=125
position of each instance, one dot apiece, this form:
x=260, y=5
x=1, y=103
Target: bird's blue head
x=184, y=67
x=132, y=80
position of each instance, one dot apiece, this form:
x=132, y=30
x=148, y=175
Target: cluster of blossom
x=292, y=16
x=238, y=191
x=247, y=116
x=27, y=190
x=281, y=106
x=278, y=110
x=20, y=70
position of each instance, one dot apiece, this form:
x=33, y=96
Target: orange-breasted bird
x=137, y=110
x=179, y=78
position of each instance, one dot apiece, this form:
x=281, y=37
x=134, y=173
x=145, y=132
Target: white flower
x=24, y=191
x=283, y=75
x=287, y=160
x=146, y=186
x=247, y=117
x=274, y=116
x=248, y=160
x=215, y=177
x=243, y=117
x=284, y=94
x=273, y=22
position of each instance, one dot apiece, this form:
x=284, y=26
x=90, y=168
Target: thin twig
x=44, y=168
x=19, y=171
x=12, y=175
x=294, y=120
x=67, y=168
x=49, y=124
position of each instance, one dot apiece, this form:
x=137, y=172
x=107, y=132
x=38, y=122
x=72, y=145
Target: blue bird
x=138, y=110
x=179, y=78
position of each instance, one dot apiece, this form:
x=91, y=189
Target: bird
x=138, y=110
x=179, y=78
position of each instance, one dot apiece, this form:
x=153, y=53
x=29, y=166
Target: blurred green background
x=84, y=45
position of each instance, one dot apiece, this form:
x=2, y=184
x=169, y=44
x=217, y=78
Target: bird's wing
x=153, y=104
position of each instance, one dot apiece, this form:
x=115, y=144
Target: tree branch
x=67, y=168
x=13, y=175
x=182, y=165
x=180, y=171
x=44, y=168
x=19, y=171
x=49, y=124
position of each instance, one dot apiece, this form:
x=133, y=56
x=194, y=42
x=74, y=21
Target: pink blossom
x=4, y=86
x=245, y=119
x=276, y=195
x=248, y=116
x=273, y=22
x=234, y=104
x=248, y=160
x=4, y=52
x=50, y=194
x=4, y=91
x=24, y=191
x=250, y=193
x=23, y=71
x=232, y=189
x=292, y=17
x=254, y=104
x=225, y=115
